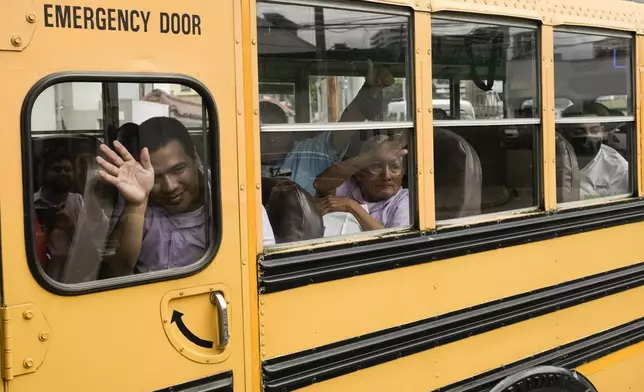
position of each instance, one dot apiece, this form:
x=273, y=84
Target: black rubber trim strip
x=304, y=368
x=222, y=382
x=212, y=144
x=568, y=356
x=283, y=271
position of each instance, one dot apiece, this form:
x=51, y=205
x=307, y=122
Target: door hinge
x=18, y=22
x=25, y=339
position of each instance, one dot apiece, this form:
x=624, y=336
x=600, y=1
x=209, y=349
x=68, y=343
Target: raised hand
x=378, y=77
x=389, y=150
x=133, y=180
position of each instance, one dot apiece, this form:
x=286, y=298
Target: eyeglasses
x=379, y=168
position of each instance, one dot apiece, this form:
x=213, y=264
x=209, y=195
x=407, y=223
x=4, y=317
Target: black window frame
x=211, y=140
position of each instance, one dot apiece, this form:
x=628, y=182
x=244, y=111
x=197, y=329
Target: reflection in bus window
x=119, y=196
x=486, y=124
x=327, y=66
x=283, y=96
x=594, y=74
x=594, y=68
x=323, y=52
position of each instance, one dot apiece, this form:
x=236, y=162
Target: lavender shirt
x=177, y=240
x=393, y=212
x=171, y=240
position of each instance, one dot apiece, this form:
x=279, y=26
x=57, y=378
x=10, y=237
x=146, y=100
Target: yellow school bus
x=279, y=195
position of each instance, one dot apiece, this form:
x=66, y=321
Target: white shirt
x=267, y=230
x=605, y=175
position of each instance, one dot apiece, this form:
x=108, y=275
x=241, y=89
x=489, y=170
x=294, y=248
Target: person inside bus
x=368, y=186
x=163, y=223
x=604, y=171
x=62, y=214
x=128, y=136
x=305, y=159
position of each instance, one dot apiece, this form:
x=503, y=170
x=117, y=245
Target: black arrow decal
x=177, y=318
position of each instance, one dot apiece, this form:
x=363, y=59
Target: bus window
x=484, y=75
x=337, y=175
x=120, y=183
x=597, y=129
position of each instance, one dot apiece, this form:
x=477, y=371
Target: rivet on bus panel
x=43, y=336
x=31, y=17
x=16, y=40
x=253, y=41
x=258, y=186
x=256, y=111
x=239, y=112
x=28, y=315
x=28, y=363
x=241, y=188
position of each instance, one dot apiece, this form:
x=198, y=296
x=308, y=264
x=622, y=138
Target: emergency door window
x=120, y=180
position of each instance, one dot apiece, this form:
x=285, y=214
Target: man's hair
x=271, y=113
x=373, y=142
x=156, y=132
